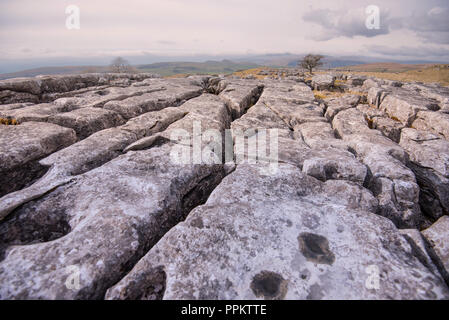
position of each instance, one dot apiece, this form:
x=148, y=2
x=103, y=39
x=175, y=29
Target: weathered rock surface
x=22, y=146
x=435, y=122
x=391, y=180
x=212, y=187
x=294, y=114
x=279, y=229
x=35, y=112
x=437, y=242
x=240, y=97
x=172, y=95
x=432, y=91
x=32, y=89
x=400, y=104
x=99, y=97
x=370, y=83
x=8, y=96
x=335, y=105
x=93, y=152
x=418, y=244
x=260, y=117
x=147, y=197
x=322, y=81
x=376, y=95
x=86, y=121
x=13, y=106
x=429, y=156
x=380, y=121
x=334, y=164
x=286, y=91
x=320, y=135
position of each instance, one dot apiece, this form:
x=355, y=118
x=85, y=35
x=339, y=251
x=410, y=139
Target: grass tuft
x=320, y=95
x=9, y=122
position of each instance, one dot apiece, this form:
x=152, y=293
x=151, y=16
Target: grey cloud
x=432, y=25
x=434, y=20
x=410, y=51
x=428, y=23
x=175, y=27
x=435, y=37
x=345, y=23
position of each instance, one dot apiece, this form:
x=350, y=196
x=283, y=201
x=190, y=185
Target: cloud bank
x=32, y=29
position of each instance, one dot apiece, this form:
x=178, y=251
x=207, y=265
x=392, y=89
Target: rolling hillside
x=208, y=67
x=162, y=68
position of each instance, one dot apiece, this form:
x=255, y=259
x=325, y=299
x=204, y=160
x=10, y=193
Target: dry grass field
x=427, y=73
x=250, y=72
x=407, y=73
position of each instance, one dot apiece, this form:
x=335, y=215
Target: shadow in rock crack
x=27, y=225
x=21, y=177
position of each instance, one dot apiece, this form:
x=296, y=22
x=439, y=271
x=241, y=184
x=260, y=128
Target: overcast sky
x=410, y=29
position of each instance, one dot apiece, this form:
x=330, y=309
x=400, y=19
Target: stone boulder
x=435, y=122
x=402, y=105
x=239, y=98
x=86, y=121
x=335, y=105
x=323, y=81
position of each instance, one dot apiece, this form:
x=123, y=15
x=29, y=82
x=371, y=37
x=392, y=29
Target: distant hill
x=208, y=67
x=385, y=67
x=330, y=62
x=162, y=68
x=291, y=60
x=226, y=65
x=53, y=70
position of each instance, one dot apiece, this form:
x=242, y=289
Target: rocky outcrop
x=419, y=249
x=429, y=156
x=390, y=179
x=208, y=187
x=147, y=196
x=169, y=94
x=305, y=239
x=287, y=91
x=432, y=91
x=86, y=121
x=335, y=105
x=437, y=242
x=323, y=81
x=379, y=120
x=239, y=97
x=435, y=122
x=41, y=87
x=402, y=105
x=23, y=146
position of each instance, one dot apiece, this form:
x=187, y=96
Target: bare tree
x=120, y=65
x=310, y=62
